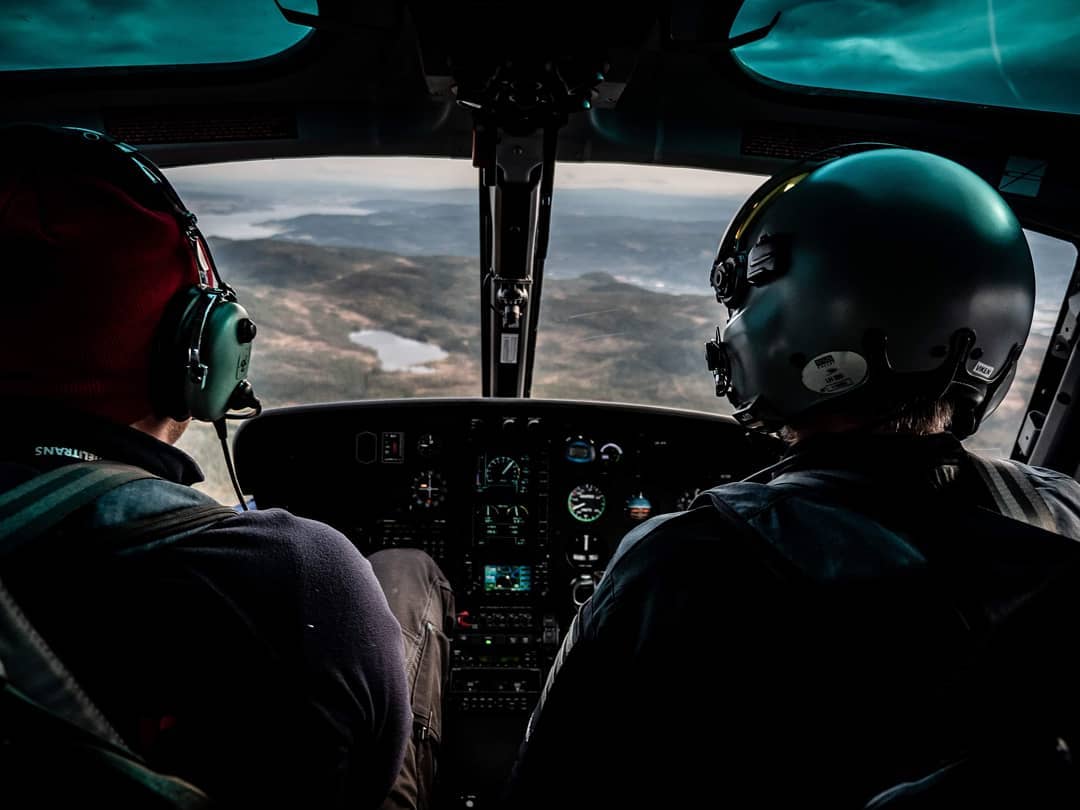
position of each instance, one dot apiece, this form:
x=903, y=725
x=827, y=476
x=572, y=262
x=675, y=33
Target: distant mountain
x=599, y=338
x=588, y=235
x=658, y=241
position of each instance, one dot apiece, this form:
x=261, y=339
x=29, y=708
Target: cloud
x=1003, y=52
x=443, y=173
x=98, y=33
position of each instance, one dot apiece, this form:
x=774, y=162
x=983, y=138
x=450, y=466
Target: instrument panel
x=521, y=502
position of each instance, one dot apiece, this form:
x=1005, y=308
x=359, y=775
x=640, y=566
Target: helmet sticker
x=833, y=372
x=984, y=371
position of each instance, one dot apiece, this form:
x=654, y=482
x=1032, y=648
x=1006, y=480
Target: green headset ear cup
x=206, y=320
x=225, y=359
x=169, y=355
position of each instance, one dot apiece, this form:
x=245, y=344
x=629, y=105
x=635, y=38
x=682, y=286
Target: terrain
x=625, y=308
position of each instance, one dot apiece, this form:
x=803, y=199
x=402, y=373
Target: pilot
x=831, y=626
x=252, y=654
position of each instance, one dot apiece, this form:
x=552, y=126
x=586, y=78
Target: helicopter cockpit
x=477, y=245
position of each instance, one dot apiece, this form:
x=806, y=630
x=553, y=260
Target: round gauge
x=428, y=489
x=502, y=471
x=580, y=450
x=638, y=507
x=611, y=453
x=583, y=551
x=586, y=503
x=428, y=446
x=682, y=503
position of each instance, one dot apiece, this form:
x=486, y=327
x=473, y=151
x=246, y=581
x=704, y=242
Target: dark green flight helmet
x=859, y=283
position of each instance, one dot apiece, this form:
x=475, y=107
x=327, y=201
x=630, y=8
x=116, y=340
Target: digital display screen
x=507, y=578
x=580, y=451
x=497, y=521
x=502, y=474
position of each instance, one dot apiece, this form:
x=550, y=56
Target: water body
x=397, y=353
x=268, y=222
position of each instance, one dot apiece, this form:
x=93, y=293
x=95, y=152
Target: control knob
x=581, y=588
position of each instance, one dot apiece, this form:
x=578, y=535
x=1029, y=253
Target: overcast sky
x=1009, y=52
x=1020, y=53
x=435, y=173
x=80, y=33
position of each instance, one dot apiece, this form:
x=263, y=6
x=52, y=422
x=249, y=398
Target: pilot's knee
x=413, y=581
x=412, y=561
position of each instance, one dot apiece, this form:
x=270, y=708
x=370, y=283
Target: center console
x=521, y=502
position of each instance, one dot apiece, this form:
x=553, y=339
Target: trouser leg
x=423, y=603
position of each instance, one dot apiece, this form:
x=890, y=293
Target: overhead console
x=521, y=502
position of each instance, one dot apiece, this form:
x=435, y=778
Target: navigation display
x=498, y=473
x=507, y=578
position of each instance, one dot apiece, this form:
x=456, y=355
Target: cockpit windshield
x=363, y=276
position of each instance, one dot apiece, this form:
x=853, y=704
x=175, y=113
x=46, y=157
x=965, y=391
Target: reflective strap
x=1044, y=518
x=31, y=509
x=1013, y=493
x=31, y=666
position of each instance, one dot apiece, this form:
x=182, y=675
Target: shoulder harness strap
x=30, y=511
x=1013, y=493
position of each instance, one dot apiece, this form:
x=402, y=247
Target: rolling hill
x=607, y=331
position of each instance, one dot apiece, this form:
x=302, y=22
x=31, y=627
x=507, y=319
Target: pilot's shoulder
x=827, y=541
x=703, y=524
x=294, y=541
x=275, y=536
x=1061, y=494
x=1048, y=480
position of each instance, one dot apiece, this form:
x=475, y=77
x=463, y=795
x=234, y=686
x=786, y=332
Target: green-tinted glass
x=37, y=34
x=1010, y=53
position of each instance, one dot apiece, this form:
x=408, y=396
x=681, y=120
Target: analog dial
x=638, y=507
x=586, y=503
x=503, y=471
x=428, y=489
x=428, y=445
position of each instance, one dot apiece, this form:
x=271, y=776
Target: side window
x=1054, y=263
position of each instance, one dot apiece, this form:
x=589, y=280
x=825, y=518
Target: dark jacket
x=804, y=642
x=256, y=658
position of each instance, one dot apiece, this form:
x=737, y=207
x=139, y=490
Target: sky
x=81, y=33
x=445, y=173
x=1022, y=53
x=1017, y=53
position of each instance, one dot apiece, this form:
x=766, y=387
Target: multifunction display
x=507, y=578
x=505, y=505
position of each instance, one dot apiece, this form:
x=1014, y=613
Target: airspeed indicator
x=586, y=503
